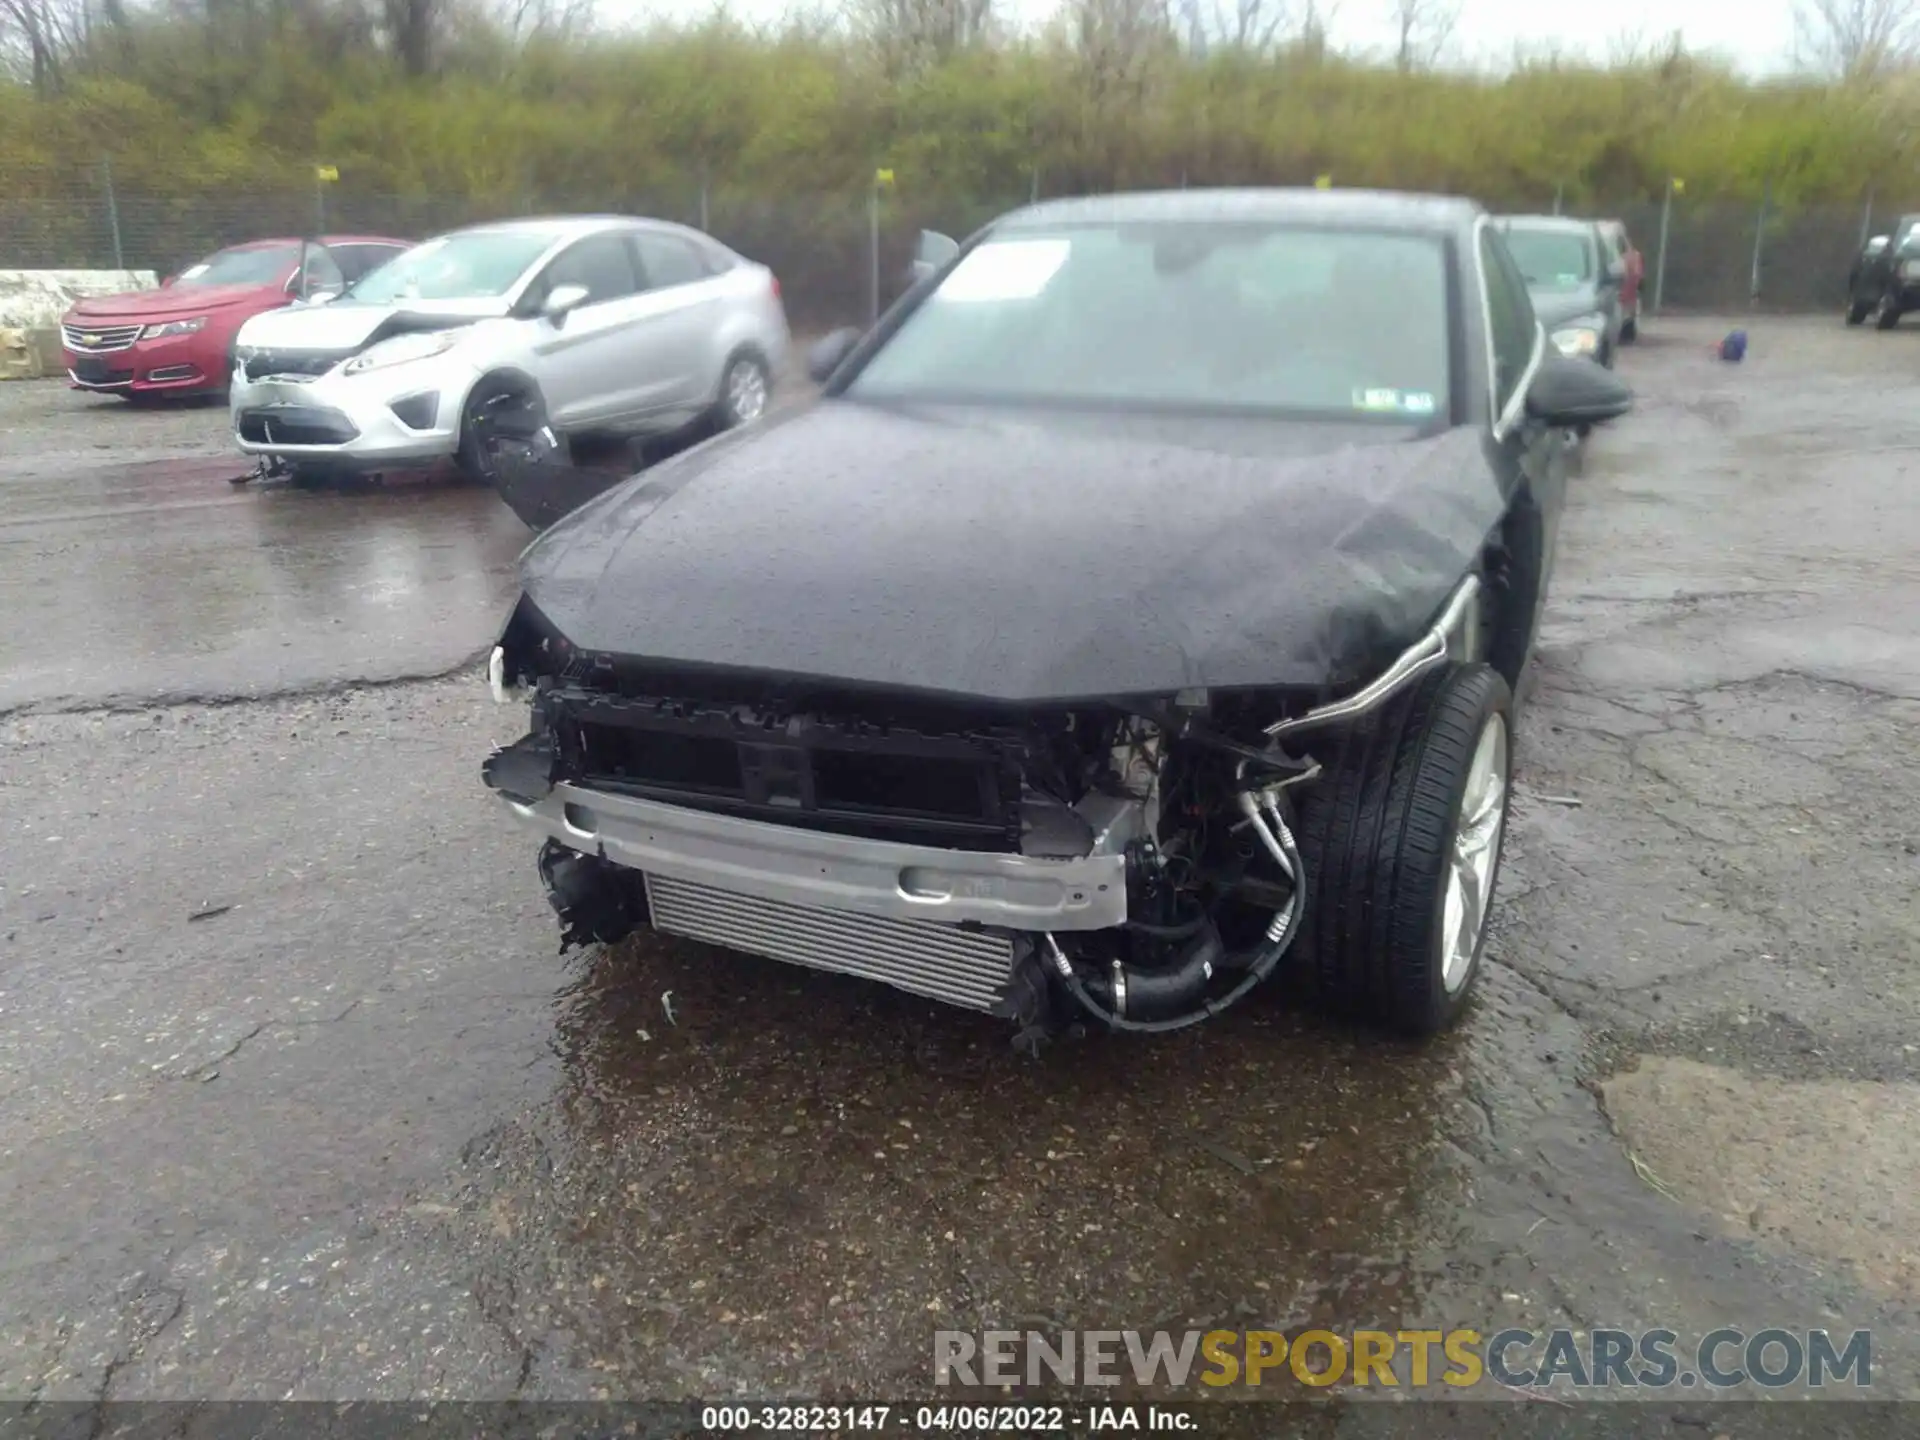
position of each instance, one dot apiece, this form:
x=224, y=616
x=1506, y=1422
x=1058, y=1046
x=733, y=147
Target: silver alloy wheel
x=746, y=391
x=1476, y=850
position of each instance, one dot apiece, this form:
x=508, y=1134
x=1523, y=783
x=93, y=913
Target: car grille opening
x=953, y=790
x=261, y=364
x=99, y=339
x=294, y=425
x=99, y=375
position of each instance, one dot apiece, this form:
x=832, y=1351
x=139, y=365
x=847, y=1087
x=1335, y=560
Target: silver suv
x=599, y=324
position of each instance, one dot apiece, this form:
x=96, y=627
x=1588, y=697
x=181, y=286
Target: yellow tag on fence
x=326, y=174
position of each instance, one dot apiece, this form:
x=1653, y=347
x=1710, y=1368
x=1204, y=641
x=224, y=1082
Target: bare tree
x=1117, y=39
x=37, y=37
x=525, y=19
x=1256, y=25
x=1421, y=30
x=911, y=34
x=1856, y=39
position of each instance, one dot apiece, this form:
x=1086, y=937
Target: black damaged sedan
x=1135, y=620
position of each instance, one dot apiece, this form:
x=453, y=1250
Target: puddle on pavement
x=795, y=1179
x=1821, y=1167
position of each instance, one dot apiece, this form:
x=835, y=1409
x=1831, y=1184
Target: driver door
x=581, y=360
x=1532, y=459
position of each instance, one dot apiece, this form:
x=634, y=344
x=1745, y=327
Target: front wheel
x=502, y=413
x=1887, y=315
x=1401, y=837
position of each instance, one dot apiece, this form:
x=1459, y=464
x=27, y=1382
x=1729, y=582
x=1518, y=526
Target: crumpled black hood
x=1026, y=558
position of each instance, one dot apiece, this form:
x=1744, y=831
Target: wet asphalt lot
x=297, y=1101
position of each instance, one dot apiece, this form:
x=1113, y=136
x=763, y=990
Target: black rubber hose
x=1265, y=957
x=1186, y=930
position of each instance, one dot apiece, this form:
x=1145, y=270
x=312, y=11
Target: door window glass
x=1510, y=311
x=602, y=263
x=668, y=260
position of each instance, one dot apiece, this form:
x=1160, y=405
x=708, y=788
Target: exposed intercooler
x=960, y=966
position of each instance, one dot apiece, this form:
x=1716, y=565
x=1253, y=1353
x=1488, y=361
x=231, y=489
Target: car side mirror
x=561, y=301
x=933, y=251
x=321, y=297
x=830, y=352
x=1567, y=393
x=167, y=280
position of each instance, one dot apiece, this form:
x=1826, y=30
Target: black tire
x=1887, y=314
x=744, y=378
x=1858, y=310
x=1377, y=833
x=498, y=406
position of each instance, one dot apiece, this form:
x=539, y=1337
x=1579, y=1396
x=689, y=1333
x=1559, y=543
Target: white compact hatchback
x=600, y=324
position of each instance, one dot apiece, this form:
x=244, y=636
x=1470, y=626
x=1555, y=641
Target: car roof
x=1564, y=224
x=567, y=227
x=1368, y=209
x=276, y=241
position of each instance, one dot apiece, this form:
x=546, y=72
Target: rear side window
x=1510, y=315
x=602, y=263
x=669, y=260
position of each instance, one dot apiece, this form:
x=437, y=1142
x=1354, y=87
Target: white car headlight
x=1580, y=337
x=402, y=350
x=174, y=327
x=1910, y=269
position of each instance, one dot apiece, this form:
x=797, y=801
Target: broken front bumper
x=789, y=866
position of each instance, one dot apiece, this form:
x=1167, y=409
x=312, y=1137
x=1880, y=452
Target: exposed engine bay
x=1188, y=802
x=1129, y=864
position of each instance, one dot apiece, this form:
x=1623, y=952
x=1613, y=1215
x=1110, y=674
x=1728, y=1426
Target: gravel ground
x=296, y=1100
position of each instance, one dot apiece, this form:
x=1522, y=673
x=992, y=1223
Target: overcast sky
x=1756, y=35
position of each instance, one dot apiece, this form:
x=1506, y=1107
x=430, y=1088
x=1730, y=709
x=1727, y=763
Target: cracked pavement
x=297, y=1101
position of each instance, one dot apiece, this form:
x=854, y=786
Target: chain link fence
x=837, y=255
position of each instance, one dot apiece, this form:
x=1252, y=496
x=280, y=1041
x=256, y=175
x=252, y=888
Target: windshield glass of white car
x=1551, y=259
x=1223, y=318
x=472, y=265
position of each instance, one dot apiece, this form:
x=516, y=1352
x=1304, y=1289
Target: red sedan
x=178, y=340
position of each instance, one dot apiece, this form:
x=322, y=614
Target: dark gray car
x=1574, y=278
x=1146, y=591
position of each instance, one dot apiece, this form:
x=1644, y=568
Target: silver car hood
x=347, y=324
